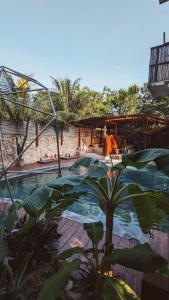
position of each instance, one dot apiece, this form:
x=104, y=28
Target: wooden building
x=139, y=131
x=158, y=81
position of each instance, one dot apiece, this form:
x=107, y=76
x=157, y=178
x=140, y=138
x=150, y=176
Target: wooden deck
x=73, y=235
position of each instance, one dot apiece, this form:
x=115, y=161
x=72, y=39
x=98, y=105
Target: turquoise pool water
x=125, y=216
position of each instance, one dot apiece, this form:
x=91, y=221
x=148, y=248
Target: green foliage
x=3, y=245
x=37, y=241
x=141, y=158
x=118, y=290
x=123, y=101
x=149, y=105
x=141, y=258
x=94, y=231
x=28, y=253
x=96, y=280
x=54, y=285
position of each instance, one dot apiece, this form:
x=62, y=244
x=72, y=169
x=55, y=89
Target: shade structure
x=163, y=1
x=158, y=81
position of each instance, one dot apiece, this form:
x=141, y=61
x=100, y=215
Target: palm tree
x=65, y=94
x=14, y=112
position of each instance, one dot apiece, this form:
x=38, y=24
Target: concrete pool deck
x=37, y=166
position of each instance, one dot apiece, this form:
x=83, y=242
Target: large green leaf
x=150, y=206
x=69, y=252
x=149, y=177
x=54, y=285
x=141, y=258
x=99, y=189
x=92, y=165
x=36, y=201
x=59, y=205
x=116, y=289
x=66, y=183
x=3, y=245
x=141, y=158
x=163, y=163
x=94, y=231
x=12, y=216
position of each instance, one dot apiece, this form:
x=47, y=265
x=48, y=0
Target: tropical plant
x=19, y=114
x=150, y=105
x=27, y=253
x=65, y=93
x=151, y=205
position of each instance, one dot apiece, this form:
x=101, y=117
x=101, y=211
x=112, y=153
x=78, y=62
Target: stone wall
x=46, y=144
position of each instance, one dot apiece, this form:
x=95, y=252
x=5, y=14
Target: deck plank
x=132, y=277
x=118, y=269
x=160, y=244
x=65, y=240
x=75, y=235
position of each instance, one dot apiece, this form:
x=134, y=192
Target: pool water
x=125, y=217
x=21, y=186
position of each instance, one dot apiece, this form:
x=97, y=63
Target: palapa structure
x=140, y=131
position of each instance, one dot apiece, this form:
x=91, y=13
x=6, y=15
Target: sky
x=104, y=42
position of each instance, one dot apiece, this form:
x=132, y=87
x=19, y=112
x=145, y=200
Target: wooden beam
x=79, y=138
x=104, y=130
x=91, y=141
x=37, y=132
x=116, y=127
x=61, y=135
x=101, y=136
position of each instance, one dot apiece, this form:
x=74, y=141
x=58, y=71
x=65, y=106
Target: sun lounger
x=44, y=161
x=68, y=157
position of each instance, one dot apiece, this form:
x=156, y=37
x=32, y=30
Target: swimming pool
x=82, y=210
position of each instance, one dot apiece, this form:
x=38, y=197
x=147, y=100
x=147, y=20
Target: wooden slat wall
x=159, y=63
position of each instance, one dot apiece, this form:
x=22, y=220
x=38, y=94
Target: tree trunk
x=109, y=232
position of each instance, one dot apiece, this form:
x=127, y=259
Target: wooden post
x=91, y=142
x=145, y=138
x=164, y=38
x=116, y=129
x=79, y=138
x=37, y=132
x=101, y=136
x=145, y=141
x=61, y=136
x=104, y=130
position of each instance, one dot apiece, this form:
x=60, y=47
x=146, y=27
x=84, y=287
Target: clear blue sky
x=105, y=42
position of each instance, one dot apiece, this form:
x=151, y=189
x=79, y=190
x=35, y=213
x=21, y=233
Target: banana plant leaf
x=162, y=163
x=60, y=204
x=66, y=183
x=116, y=289
x=94, y=231
x=141, y=158
x=93, y=166
x=149, y=177
x=141, y=258
x=37, y=200
x=150, y=206
x=12, y=216
x=73, y=184
x=54, y=285
x=3, y=245
x=70, y=252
